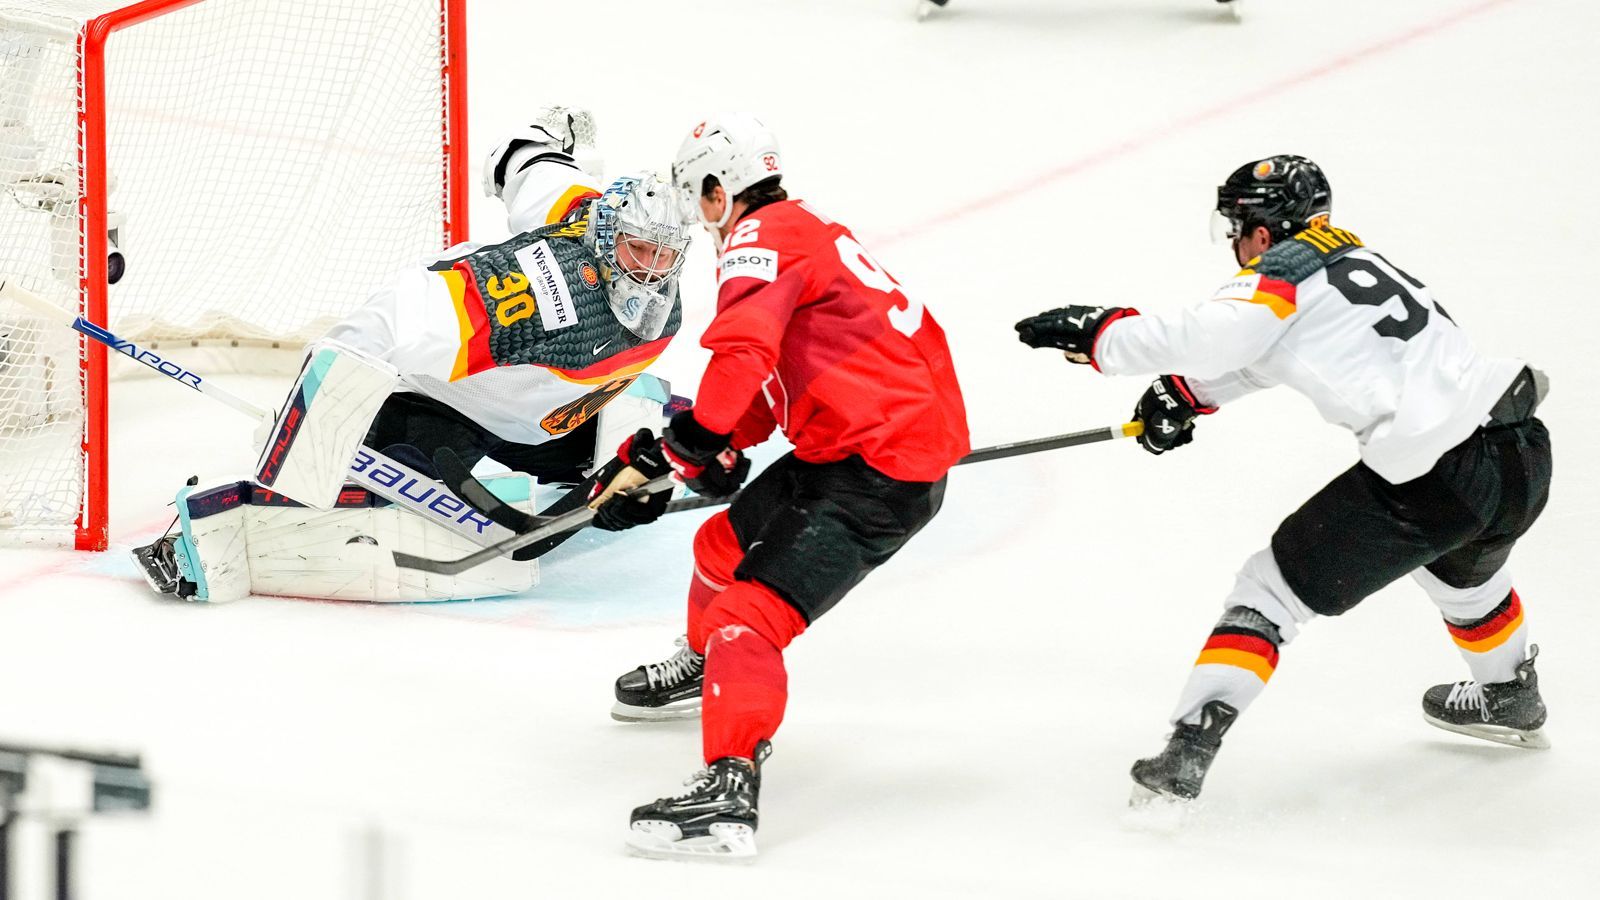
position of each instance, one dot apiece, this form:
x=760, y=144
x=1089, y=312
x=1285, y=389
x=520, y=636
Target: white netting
x=272, y=162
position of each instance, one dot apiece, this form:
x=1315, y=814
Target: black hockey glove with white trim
x=623, y=512
x=1072, y=329
x=1168, y=410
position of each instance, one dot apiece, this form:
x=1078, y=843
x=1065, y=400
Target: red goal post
x=263, y=164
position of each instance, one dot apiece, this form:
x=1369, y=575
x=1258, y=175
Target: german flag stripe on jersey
x=472, y=319
x=1490, y=631
x=567, y=202
x=1242, y=649
x=1278, y=296
x=629, y=362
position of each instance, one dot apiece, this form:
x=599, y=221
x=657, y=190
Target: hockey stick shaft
x=46, y=310
x=572, y=521
x=569, y=521
x=394, y=481
x=998, y=451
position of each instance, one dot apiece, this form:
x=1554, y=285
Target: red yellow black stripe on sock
x=1489, y=632
x=1241, y=648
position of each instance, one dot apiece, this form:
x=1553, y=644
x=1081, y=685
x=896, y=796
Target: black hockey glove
x=1073, y=329
x=622, y=512
x=703, y=458
x=1168, y=410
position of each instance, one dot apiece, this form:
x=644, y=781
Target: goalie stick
x=554, y=530
x=546, y=529
x=370, y=469
x=458, y=477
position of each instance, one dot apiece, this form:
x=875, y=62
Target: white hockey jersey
x=1340, y=324
x=431, y=325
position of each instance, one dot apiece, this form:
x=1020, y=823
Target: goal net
x=244, y=171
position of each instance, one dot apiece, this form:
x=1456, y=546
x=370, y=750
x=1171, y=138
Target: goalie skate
x=1509, y=712
x=159, y=565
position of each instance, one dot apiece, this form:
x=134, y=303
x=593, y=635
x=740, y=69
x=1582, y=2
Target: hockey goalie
x=530, y=353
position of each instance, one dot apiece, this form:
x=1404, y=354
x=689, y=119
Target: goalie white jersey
x=516, y=336
x=1340, y=324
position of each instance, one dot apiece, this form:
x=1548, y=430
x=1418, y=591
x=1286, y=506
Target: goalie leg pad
x=348, y=553
x=239, y=539
x=210, y=549
x=322, y=423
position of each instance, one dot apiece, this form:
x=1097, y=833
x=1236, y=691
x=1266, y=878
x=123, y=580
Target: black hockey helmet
x=1285, y=193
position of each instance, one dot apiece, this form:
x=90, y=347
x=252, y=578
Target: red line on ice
x=1157, y=135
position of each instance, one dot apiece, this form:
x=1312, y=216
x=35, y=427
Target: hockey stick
x=559, y=528
x=458, y=477
x=998, y=451
x=568, y=521
x=372, y=470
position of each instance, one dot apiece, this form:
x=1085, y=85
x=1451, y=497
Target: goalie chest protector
x=540, y=299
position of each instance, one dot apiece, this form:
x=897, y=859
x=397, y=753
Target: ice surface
x=962, y=725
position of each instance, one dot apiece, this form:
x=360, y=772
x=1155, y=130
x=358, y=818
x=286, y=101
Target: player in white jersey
x=530, y=352
x=1454, y=466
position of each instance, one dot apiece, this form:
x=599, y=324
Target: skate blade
x=683, y=709
x=1155, y=812
x=1499, y=734
x=728, y=842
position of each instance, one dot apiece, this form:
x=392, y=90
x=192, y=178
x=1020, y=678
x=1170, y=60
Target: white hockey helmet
x=638, y=231
x=734, y=147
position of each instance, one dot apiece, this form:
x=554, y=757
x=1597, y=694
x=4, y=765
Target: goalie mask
x=639, y=234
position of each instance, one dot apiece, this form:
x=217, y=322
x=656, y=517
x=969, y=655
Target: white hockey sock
x=1494, y=644
x=1485, y=621
x=1234, y=665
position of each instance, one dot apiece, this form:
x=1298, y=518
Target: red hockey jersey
x=813, y=336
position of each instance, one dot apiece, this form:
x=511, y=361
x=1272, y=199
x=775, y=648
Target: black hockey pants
x=411, y=428
x=812, y=531
x=1459, y=521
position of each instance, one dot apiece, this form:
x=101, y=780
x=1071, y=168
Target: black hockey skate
x=669, y=689
x=1179, y=771
x=714, y=819
x=159, y=564
x=1506, y=712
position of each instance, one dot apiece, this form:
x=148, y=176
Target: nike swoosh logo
x=602, y=347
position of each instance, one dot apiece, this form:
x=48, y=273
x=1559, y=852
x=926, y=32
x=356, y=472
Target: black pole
x=6, y=819
x=64, y=841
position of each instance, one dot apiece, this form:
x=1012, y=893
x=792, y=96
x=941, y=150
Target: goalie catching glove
x=1071, y=329
x=1168, y=410
x=700, y=458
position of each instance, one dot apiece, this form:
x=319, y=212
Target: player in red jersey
x=811, y=336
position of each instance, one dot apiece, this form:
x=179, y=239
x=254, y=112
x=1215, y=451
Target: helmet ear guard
x=1286, y=194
